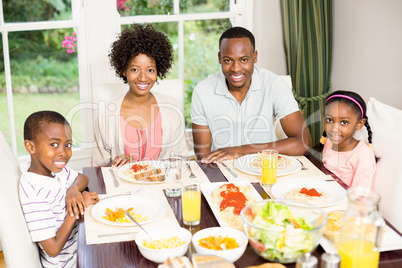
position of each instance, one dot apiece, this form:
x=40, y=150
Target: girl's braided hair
x=353, y=106
x=141, y=39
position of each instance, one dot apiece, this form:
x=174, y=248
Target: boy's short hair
x=237, y=32
x=35, y=123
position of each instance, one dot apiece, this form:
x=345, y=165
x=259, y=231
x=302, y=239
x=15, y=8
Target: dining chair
x=171, y=87
x=18, y=248
x=385, y=124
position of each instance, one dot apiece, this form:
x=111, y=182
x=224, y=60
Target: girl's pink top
x=355, y=168
x=142, y=144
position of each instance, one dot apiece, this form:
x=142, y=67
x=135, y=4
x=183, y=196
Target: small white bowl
x=231, y=255
x=159, y=232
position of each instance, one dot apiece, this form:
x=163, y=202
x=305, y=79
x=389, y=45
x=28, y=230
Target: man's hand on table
x=222, y=155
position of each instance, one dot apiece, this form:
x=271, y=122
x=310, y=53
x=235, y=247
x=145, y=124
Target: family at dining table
x=233, y=113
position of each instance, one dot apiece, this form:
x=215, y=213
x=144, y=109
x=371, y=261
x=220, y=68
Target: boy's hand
x=75, y=203
x=90, y=198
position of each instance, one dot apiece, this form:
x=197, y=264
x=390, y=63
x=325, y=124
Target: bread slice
x=201, y=261
x=176, y=262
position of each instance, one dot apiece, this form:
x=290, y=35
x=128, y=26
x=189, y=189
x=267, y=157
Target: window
x=37, y=72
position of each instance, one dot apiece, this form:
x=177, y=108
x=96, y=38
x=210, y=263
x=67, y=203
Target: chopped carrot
x=215, y=243
x=295, y=224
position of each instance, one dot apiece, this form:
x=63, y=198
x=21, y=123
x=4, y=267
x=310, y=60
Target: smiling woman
x=146, y=125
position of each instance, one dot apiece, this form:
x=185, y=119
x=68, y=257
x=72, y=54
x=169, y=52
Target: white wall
x=367, y=50
x=267, y=29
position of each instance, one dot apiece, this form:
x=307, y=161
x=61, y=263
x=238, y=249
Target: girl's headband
x=346, y=97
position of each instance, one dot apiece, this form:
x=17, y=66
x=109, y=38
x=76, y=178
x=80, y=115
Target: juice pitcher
x=361, y=230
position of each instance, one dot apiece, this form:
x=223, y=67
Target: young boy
x=50, y=193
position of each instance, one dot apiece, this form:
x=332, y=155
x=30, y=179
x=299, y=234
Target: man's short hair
x=237, y=32
x=35, y=123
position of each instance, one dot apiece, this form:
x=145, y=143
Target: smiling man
x=233, y=111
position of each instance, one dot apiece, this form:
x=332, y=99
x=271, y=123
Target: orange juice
x=191, y=205
x=269, y=165
x=358, y=253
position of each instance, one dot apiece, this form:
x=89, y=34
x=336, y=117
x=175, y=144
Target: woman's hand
x=121, y=160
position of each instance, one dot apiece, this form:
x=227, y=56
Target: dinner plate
x=331, y=188
x=152, y=208
x=244, y=164
x=208, y=188
x=156, y=164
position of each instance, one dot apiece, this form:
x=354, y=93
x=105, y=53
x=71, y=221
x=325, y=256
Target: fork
x=192, y=175
x=302, y=165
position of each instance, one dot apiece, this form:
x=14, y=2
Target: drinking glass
x=174, y=167
x=191, y=202
x=269, y=165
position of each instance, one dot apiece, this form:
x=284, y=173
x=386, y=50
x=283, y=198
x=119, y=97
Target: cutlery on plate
x=136, y=222
x=302, y=165
x=228, y=169
x=332, y=180
x=115, y=181
x=192, y=175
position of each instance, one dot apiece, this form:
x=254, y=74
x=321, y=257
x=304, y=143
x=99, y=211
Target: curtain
x=307, y=28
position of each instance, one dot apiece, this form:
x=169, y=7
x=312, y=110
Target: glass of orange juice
x=269, y=165
x=191, y=202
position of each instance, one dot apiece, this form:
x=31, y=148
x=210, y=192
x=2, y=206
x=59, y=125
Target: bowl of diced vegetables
x=283, y=230
x=163, y=242
x=224, y=242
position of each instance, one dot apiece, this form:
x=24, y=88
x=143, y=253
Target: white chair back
x=384, y=122
x=19, y=250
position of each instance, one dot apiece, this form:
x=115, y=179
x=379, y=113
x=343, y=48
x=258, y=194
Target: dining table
x=126, y=253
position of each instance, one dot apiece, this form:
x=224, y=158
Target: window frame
x=95, y=34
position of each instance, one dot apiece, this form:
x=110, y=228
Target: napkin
x=132, y=186
x=98, y=233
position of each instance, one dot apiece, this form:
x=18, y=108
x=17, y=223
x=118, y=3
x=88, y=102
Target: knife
x=228, y=169
x=115, y=181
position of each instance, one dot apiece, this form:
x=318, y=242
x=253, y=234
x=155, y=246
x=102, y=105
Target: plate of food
x=313, y=191
x=251, y=164
x=228, y=199
x=144, y=209
x=390, y=240
x=148, y=172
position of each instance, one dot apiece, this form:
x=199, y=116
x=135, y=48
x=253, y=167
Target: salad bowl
x=283, y=230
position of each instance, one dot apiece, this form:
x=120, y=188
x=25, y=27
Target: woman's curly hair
x=141, y=39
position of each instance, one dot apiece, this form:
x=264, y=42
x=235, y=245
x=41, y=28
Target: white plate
x=331, y=188
x=244, y=164
x=156, y=164
x=152, y=208
x=208, y=188
x=391, y=240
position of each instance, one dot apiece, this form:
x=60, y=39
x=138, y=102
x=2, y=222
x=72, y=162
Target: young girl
x=139, y=125
x=353, y=161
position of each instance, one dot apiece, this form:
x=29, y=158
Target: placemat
x=98, y=233
x=125, y=186
x=312, y=170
